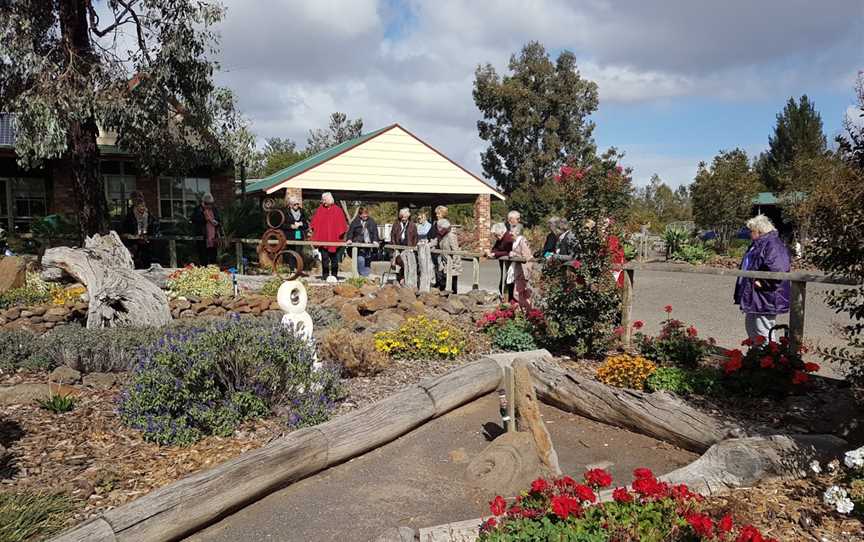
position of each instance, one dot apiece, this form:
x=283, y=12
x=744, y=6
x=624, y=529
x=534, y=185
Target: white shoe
x=332, y=279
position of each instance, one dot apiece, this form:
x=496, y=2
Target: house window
x=178, y=196
x=120, y=181
x=28, y=201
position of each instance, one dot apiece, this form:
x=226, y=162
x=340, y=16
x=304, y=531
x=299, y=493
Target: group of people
x=329, y=224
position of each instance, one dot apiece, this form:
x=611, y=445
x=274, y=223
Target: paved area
x=419, y=480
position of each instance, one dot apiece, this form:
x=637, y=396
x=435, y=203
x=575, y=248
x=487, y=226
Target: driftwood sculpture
x=118, y=295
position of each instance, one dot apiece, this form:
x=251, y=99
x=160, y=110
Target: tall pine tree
x=798, y=134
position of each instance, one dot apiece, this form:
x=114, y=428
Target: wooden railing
x=797, y=302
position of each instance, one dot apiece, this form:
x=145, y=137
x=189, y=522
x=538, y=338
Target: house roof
x=390, y=160
x=770, y=198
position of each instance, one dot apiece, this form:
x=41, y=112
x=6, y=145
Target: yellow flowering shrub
x=626, y=371
x=193, y=281
x=65, y=295
x=422, y=338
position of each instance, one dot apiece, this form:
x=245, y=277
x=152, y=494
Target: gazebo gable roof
x=389, y=160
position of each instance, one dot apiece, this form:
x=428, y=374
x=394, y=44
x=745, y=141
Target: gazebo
x=390, y=164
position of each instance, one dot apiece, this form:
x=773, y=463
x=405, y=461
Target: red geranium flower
x=488, y=525
x=702, y=524
x=734, y=362
x=811, y=367
x=800, y=378
x=668, y=308
x=725, y=524
x=619, y=331
x=497, y=505
x=759, y=339
x=620, y=494
x=564, y=505
x=691, y=331
x=747, y=342
x=598, y=478
x=642, y=473
x=585, y=493
x=767, y=362
x=638, y=324
x=784, y=341
x=773, y=347
x=749, y=534
x=784, y=360
x=539, y=485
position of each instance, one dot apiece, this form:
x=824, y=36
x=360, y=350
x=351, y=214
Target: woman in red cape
x=329, y=225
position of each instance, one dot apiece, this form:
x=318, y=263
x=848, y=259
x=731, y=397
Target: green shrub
x=629, y=251
x=323, y=316
x=192, y=281
x=684, y=381
x=34, y=292
x=677, y=344
x=207, y=381
x=95, y=350
x=675, y=238
x=692, y=254
x=768, y=369
x=31, y=516
x=514, y=336
x=271, y=287
x=422, y=338
x=357, y=282
x=58, y=404
x=16, y=349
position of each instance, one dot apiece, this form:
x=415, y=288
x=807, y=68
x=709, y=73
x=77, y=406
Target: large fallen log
x=118, y=296
x=660, y=415
x=196, y=501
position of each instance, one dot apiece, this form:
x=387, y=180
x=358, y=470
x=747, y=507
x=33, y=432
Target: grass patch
x=28, y=516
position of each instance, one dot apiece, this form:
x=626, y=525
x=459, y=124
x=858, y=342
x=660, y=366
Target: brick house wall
x=483, y=221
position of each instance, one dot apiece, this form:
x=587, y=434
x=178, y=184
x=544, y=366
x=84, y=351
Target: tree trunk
x=82, y=149
x=118, y=295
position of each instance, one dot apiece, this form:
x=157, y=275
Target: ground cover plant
x=207, y=381
x=513, y=329
x=626, y=371
x=35, y=291
x=649, y=511
x=422, y=338
x=702, y=381
x=678, y=344
x=27, y=516
x=194, y=281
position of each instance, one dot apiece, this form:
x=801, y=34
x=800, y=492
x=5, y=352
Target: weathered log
x=190, y=504
x=660, y=415
x=743, y=462
x=95, y=529
x=118, y=295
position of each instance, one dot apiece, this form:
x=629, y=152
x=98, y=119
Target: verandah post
x=797, y=302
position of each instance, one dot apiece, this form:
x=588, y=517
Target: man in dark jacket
x=363, y=229
x=762, y=300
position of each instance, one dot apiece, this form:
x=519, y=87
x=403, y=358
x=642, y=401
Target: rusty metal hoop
x=298, y=267
x=270, y=213
x=268, y=204
x=274, y=235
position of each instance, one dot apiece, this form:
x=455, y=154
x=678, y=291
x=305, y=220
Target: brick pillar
x=293, y=192
x=483, y=221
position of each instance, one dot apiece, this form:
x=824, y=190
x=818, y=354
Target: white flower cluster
x=855, y=458
x=838, y=498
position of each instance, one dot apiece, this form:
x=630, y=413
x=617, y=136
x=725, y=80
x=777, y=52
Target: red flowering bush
x=771, y=368
x=512, y=328
x=677, y=344
x=651, y=511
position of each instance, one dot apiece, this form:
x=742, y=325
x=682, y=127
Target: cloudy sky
x=679, y=79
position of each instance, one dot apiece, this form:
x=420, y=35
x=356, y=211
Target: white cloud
x=293, y=62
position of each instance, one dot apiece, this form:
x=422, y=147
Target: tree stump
x=118, y=295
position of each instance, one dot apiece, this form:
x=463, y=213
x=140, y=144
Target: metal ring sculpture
x=268, y=204
x=298, y=264
x=270, y=214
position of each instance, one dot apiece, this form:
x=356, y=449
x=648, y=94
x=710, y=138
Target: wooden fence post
x=355, y=269
x=627, y=307
x=172, y=252
x=510, y=393
x=798, y=298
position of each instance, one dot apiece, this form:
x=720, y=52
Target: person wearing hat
x=208, y=225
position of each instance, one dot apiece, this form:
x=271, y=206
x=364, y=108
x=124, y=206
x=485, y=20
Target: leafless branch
x=139, y=28
x=118, y=19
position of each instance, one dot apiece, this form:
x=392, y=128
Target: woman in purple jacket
x=761, y=300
